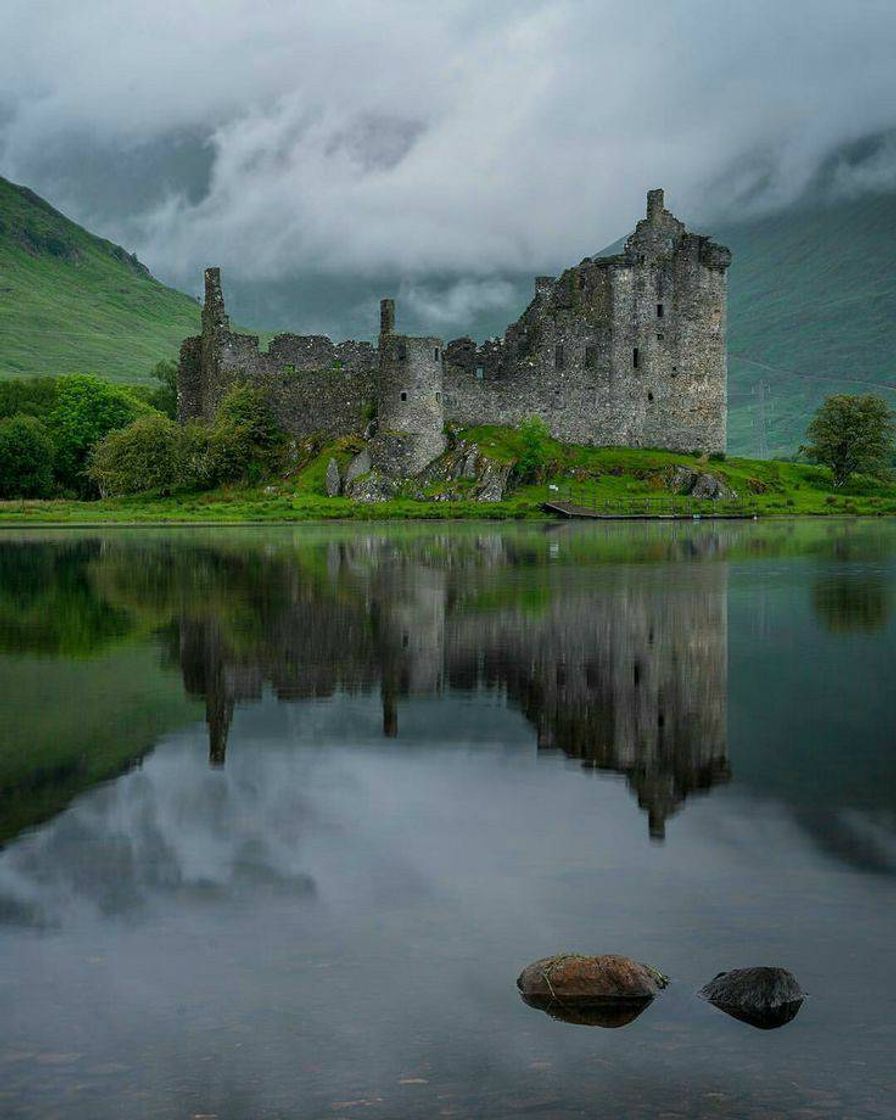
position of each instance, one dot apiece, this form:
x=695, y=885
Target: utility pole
x=762, y=389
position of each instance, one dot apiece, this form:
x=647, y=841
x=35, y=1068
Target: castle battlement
x=625, y=350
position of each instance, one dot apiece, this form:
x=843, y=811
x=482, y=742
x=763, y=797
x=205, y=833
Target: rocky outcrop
x=697, y=484
x=371, y=487
x=333, y=482
x=571, y=978
x=480, y=478
x=764, y=997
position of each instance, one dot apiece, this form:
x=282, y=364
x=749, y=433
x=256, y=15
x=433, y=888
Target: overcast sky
x=467, y=139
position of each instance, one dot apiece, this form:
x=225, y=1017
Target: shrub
x=26, y=458
x=535, y=440
x=87, y=409
x=28, y=396
x=146, y=455
x=246, y=442
x=164, y=397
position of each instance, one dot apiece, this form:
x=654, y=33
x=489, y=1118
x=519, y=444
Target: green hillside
x=74, y=303
x=812, y=296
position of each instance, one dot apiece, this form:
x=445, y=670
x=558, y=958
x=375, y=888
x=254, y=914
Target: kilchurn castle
x=619, y=350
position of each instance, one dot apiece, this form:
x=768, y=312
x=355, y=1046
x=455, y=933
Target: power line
x=812, y=376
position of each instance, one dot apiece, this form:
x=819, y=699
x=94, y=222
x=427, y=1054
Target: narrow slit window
x=480, y=373
x=402, y=352
x=636, y=358
x=435, y=354
x=403, y=395
x=438, y=398
x=659, y=311
x=650, y=396
x=558, y=357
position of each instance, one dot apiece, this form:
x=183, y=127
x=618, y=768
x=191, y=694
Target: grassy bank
x=610, y=481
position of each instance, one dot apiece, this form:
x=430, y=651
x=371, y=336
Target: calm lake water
x=284, y=812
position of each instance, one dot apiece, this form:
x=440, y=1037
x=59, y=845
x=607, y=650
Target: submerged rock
x=764, y=997
x=608, y=1013
x=570, y=978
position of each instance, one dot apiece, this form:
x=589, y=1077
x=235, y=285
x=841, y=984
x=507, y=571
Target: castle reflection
x=622, y=666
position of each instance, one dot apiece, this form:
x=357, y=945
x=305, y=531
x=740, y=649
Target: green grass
x=606, y=480
x=71, y=302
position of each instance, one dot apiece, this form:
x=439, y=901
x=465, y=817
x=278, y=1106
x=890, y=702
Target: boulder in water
x=764, y=997
x=571, y=978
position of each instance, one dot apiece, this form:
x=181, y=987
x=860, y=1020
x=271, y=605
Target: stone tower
x=410, y=405
x=669, y=327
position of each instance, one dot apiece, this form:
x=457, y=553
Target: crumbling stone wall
x=623, y=350
x=314, y=385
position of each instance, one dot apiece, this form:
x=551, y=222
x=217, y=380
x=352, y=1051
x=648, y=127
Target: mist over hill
x=811, y=295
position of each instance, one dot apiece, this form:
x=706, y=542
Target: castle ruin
x=624, y=350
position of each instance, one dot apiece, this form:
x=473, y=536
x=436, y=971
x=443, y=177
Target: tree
x=26, y=458
x=146, y=455
x=536, y=446
x=164, y=398
x=87, y=409
x=246, y=442
x=852, y=434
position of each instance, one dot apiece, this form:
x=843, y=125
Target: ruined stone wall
x=626, y=350
x=618, y=351
x=313, y=384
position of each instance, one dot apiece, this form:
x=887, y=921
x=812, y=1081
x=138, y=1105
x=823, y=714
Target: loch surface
x=284, y=812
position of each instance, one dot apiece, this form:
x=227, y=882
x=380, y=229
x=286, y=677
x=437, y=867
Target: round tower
x=410, y=403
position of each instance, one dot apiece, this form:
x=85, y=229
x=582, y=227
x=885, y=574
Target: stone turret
x=410, y=405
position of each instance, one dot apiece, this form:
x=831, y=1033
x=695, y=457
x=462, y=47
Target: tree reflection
x=847, y=603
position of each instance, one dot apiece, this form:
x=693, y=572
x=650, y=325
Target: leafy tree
x=28, y=396
x=164, y=398
x=26, y=458
x=87, y=409
x=852, y=434
x=536, y=449
x=246, y=442
x=146, y=455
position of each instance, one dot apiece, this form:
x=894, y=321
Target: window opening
x=435, y=354
x=659, y=311
x=591, y=356
x=403, y=395
x=636, y=358
x=558, y=357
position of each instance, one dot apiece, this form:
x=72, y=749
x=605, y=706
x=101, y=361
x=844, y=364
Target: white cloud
x=354, y=138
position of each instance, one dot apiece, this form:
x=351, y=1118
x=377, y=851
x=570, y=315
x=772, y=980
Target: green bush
x=535, y=440
x=87, y=409
x=145, y=456
x=28, y=396
x=164, y=398
x=26, y=458
x=245, y=442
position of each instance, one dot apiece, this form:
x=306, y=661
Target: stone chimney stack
x=387, y=316
x=655, y=205
x=214, y=313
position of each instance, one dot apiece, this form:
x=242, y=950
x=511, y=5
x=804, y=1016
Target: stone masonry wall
x=624, y=350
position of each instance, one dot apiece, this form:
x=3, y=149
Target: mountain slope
x=72, y=302
x=812, y=311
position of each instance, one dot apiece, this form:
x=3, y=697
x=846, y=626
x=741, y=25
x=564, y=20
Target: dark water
x=285, y=812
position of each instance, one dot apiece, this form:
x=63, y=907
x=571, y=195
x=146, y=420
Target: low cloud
x=361, y=139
